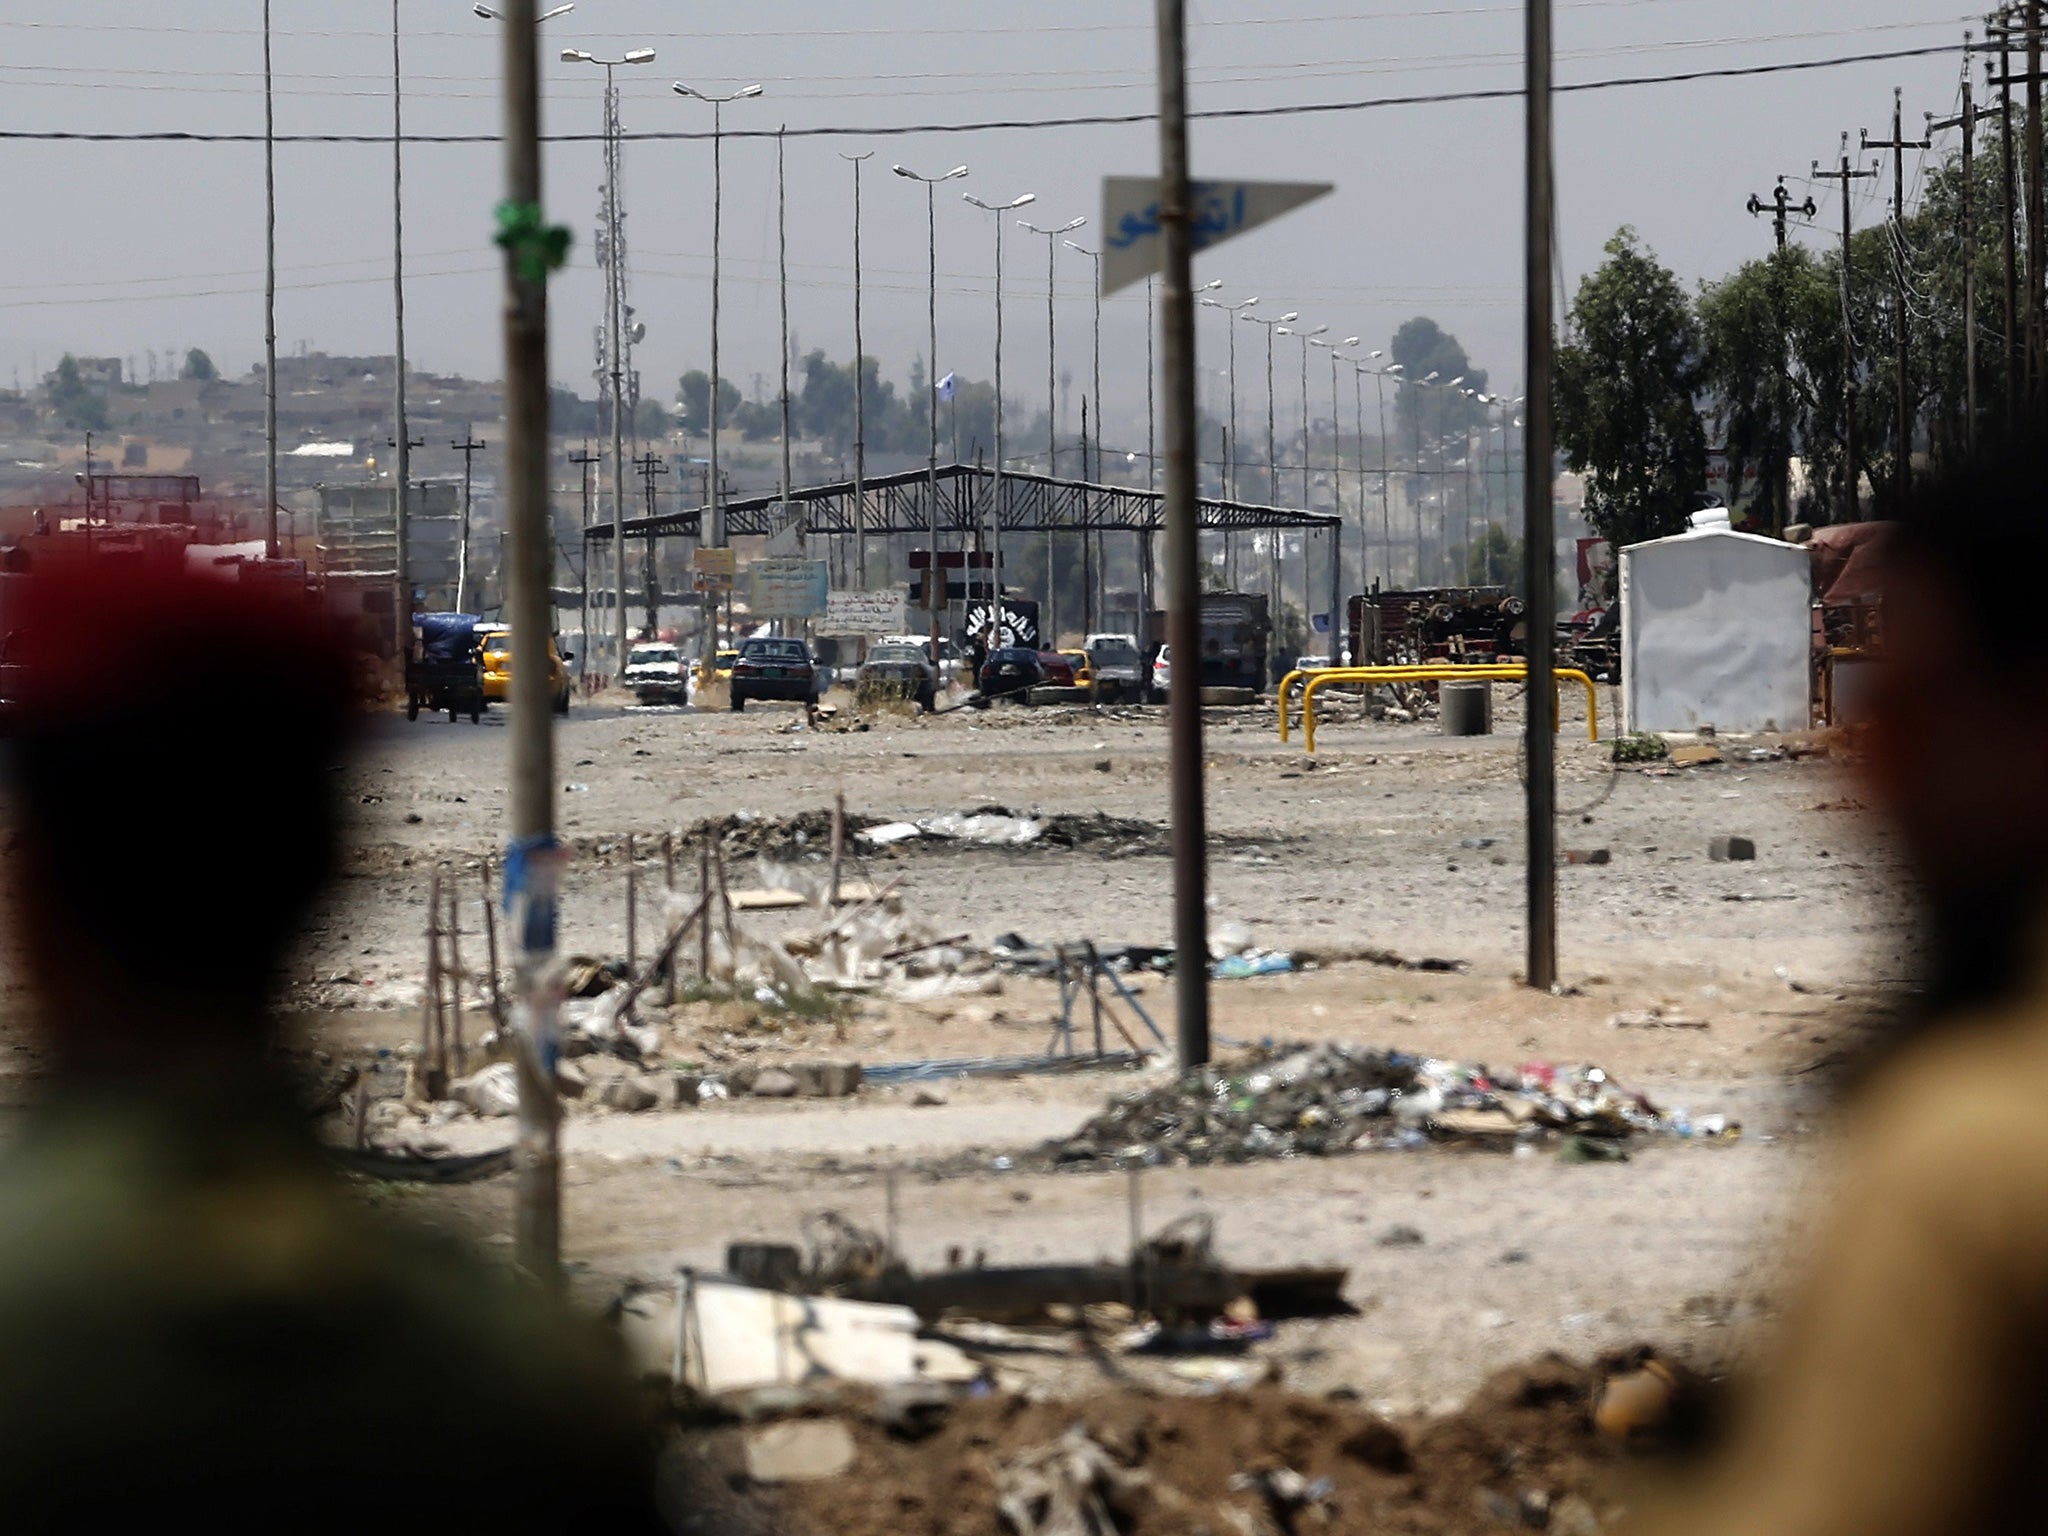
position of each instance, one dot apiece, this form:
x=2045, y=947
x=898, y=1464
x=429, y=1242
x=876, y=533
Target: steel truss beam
x=899, y=504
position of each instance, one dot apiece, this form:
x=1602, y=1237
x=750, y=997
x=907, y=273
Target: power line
x=997, y=125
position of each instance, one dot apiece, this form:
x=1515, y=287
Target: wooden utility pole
x=1851, y=474
x=1539, y=551
x=1902, y=425
x=2015, y=366
x=1781, y=208
x=1967, y=121
x=532, y=863
x=650, y=467
x=1176, y=321
x=469, y=448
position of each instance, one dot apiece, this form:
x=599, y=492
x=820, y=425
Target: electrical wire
x=997, y=125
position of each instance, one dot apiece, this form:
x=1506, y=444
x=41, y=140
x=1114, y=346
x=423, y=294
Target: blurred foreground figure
x=1905, y=1394
x=196, y=1323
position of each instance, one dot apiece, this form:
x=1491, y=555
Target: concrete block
x=1731, y=850
x=629, y=1094
x=826, y=1079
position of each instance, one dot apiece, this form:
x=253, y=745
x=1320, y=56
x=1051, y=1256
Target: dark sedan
x=901, y=670
x=774, y=669
x=1011, y=672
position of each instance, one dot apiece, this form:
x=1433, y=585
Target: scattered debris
x=1723, y=850
x=1656, y=1018
x=1698, y=756
x=491, y=1093
x=1401, y=1237
x=1325, y=1099
x=1588, y=856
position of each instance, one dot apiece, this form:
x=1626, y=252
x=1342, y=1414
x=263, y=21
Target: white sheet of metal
x=1716, y=630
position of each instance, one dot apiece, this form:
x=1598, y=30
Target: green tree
x=1423, y=347
x=76, y=404
x=569, y=413
x=1627, y=377
x=693, y=393
x=1494, y=559
x=1764, y=329
x=198, y=366
x=650, y=419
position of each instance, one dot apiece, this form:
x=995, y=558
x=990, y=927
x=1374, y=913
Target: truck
x=1237, y=629
x=654, y=671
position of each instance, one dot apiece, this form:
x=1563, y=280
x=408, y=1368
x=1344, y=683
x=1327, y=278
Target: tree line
x=1787, y=361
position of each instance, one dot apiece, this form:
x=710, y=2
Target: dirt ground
x=1393, y=840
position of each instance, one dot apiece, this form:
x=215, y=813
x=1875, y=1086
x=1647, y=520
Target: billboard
x=864, y=613
x=786, y=587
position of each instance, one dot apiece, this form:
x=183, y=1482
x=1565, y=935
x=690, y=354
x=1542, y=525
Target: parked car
x=1162, y=674
x=654, y=671
x=496, y=643
x=775, y=669
x=1083, y=669
x=1118, y=667
x=1056, y=671
x=1011, y=672
x=904, y=669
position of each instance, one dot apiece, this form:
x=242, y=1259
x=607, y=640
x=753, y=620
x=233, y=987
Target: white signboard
x=864, y=613
x=1133, y=246
x=786, y=587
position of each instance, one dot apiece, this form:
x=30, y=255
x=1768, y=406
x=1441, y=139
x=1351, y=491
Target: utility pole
x=1851, y=502
x=586, y=461
x=1183, y=577
x=932, y=375
x=1091, y=544
x=1967, y=121
x=1539, y=553
x=401, y=431
x=2015, y=367
x=651, y=467
x=860, y=395
x=1781, y=208
x=782, y=266
x=469, y=448
x=532, y=862
x=1898, y=144
x=270, y=546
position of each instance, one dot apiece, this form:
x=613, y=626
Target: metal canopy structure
x=901, y=504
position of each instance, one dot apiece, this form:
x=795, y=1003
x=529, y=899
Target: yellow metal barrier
x=1413, y=674
x=1403, y=672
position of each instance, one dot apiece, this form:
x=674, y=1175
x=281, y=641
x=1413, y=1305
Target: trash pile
x=1320, y=1100
x=997, y=826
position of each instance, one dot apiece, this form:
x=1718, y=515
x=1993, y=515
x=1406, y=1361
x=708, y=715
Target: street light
x=614, y=261
x=713, y=489
x=1337, y=439
x=1090, y=551
x=1052, y=417
x=995, y=632
x=488, y=14
x=931, y=226
x=1272, y=451
x=1230, y=451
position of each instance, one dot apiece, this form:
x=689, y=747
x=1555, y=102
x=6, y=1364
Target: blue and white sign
x=1133, y=246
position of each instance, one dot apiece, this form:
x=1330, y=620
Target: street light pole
x=1231, y=312
x=714, y=488
x=995, y=627
x=931, y=383
x=615, y=321
x=860, y=394
x=1052, y=402
x=1091, y=553
x=1380, y=376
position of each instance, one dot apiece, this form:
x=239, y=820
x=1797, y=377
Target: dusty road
x=1394, y=839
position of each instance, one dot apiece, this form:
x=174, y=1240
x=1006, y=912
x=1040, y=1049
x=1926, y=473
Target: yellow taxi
x=1084, y=669
x=721, y=666
x=496, y=642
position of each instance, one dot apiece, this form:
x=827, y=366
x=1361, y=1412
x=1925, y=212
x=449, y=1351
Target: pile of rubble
x=1319, y=1100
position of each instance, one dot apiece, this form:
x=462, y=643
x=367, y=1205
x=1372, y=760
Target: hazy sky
x=123, y=248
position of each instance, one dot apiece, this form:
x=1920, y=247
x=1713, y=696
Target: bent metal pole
x=1176, y=322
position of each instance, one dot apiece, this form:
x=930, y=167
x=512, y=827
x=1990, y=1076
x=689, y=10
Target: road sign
x=863, y=613
x=786, y=587
x=711, y=570
x=1133, y=247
